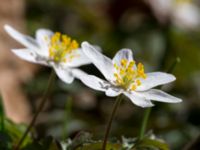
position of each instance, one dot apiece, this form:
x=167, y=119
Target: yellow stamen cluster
x=127, y=76
x=60, y=46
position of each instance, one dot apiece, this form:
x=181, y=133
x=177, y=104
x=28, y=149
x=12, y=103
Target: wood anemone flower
x=50, y=49
x=123, y=76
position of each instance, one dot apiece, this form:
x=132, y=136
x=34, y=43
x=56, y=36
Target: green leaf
x=98, y=146
x=46, y=144
x=83, y=141
x=16, y=131
x=153, y=143
x=5, y=141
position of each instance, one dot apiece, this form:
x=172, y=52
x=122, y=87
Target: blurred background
x=159, y=32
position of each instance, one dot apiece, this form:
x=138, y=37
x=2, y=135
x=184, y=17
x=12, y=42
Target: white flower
x=184, y=14
x=124, y=76
x=50, y=49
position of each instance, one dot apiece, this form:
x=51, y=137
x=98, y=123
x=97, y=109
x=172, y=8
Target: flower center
x=127, y=76
x=60, y=46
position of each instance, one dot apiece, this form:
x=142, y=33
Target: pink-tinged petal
x=155, y=79
x=158, y=95
x=138, y=100
x=27, y=41
x=28, y=55
x=43, y=37
x=64, y=74
x=103, y=63
x=91, y=80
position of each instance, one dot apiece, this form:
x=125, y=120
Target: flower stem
x=144, y=122
x=117, y=102
x=40, y=108
x=173, y=65
x=1, y=118
x=148, y=110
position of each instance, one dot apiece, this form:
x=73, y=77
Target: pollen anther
x=61, y=45
x=128, y=75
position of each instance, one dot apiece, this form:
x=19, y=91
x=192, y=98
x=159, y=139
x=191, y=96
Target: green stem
x=67, y=114
x=144, y=122
x=148, y=110
x=1, y=118
x=40, y=108
x=117, y=102
x=173, y=65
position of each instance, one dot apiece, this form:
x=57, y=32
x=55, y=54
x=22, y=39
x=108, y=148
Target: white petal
x=154, y=79
x=64, y=74
x=159, y=95
x=43, y=37
x=91, y=80
x=112, y=92
x=123, y=54
x=27, y=41
x=97, y=47
x=138, y=100
x=103, y=63
x=28, y=55
x=79, y=59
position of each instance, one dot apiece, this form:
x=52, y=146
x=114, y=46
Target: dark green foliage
x=11, y=135
x=45, y=144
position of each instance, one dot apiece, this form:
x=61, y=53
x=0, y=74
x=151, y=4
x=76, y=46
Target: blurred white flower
x=124, y=76
x=186, y=15
x=50, y=49
x=182, y=13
